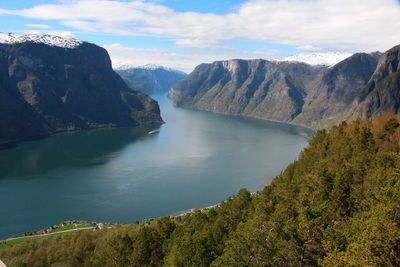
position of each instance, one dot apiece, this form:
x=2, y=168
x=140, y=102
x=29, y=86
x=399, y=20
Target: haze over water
x=125, y=174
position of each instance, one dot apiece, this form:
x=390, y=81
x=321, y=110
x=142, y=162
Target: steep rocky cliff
x=48, y=86
x=334, y=90
x=382, y=93
x=256, y=88
x=150, y=79
x=314, y=96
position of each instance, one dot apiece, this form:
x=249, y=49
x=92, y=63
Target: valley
x=124, y=174
x=178, y=133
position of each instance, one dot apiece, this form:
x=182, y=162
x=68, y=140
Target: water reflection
x=85, y=148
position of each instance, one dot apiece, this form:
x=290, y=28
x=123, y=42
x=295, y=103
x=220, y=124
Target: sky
x=181, y=34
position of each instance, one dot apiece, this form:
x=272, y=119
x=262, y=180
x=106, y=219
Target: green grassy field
x=72, y=226
x=59, y=230
x=5, y=244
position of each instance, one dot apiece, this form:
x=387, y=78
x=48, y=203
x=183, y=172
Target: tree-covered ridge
x=337, y=205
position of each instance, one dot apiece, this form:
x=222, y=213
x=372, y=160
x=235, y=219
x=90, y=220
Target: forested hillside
x=337, y=205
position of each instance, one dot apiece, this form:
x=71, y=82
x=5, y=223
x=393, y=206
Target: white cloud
x=307, y=24
x=259, y=53
x=65, y=34
x=309, y=47
x=272, y=52
x=185, y=61
x=41, y=26
x=33, y=32
x=199, y=43
x=141, y=56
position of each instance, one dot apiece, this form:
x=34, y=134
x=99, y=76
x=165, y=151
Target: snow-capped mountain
x=52, y=40
x=149, y=78
x=327, y=59
x=46, y=89
x=124, y=66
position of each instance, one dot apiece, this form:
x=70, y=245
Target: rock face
x=256, y=88
x=150, y=79
x=313, y=96
x=47, y=88
x=382, y=92
x=335, y=89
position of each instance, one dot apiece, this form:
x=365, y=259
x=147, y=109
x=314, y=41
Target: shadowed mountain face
x=382, y=93
x=334, y=91
x=313, y=96
x=151, y=80
x=46, y=89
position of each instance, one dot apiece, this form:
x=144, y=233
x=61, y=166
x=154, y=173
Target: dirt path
x=54, y=233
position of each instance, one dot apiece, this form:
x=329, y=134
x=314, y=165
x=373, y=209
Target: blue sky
x=183, y=33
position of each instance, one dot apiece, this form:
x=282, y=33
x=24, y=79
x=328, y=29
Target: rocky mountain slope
x=50, y=84
x=382, y=92
x=256, y=88
x=150, y=79
x=314, y=96
x=334, y=91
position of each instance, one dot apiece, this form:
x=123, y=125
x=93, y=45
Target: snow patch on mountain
x=231, y=65
x=52, y=40
x=123, y=66
x=327, y=59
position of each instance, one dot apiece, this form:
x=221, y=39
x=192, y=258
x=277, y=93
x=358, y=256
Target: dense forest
x=337, y=205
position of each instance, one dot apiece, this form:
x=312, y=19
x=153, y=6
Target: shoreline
x=304, y=126
x=8, y=144
x=100, y=225
x=193, y=210
x=63, y=227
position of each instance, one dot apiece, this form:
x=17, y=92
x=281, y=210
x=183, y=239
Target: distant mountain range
x=51, y=40
x=150, y=79
x=50, y=84
x=327, y=58
x=287, y=90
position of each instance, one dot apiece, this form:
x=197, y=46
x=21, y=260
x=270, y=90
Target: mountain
x=337, y=205
x=326, y=59
x=334, y=90
x=256, y=88
x=382, y=92
x=51, y=84
x=51, y=40
x=150, y=79
x=315, y=96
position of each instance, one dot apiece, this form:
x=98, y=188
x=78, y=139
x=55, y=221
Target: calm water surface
x=123, y=175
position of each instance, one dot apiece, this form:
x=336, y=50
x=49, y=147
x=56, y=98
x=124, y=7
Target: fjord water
x=125, y=174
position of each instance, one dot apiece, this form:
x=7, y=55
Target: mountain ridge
x=52, y=40
x=117, y=66
x=150, y=79
x=316, y=96
x=322, y=58
x=382, y=92
x=47, y=89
